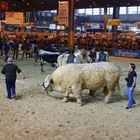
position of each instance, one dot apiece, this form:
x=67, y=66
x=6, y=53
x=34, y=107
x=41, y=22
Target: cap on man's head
x=10, y=59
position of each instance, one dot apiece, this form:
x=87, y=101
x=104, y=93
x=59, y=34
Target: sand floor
x=37, y=116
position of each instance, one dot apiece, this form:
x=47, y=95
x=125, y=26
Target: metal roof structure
x=40, y=5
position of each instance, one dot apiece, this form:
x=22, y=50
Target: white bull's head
x=47, y=84
x=81, y=56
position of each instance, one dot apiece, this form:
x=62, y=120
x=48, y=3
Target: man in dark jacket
x=6, y=49
x=102, y=56
x=15, y=49
x=92, y=55
x=71, y=57
x=10, y=70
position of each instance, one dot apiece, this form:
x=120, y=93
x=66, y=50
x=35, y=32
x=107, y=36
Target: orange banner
x=14, y=18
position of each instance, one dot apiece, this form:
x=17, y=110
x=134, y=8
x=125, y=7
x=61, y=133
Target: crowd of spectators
x=30, y=43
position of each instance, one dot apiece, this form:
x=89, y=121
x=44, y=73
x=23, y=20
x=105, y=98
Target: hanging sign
x=63, y=12
x=114, y=22
x=14, y=18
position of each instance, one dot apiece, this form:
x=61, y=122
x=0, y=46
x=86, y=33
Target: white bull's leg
x=76, y=89
x=66, y=97
x=79, y=100
x=110, y=93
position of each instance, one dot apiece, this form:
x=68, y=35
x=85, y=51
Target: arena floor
x=37, y=116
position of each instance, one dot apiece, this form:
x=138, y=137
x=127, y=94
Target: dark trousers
x=10, y=86
x=1, y=52
x=6, y=56
x=36, y=56
x=15, y=54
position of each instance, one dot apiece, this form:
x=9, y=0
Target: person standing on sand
x=102, y=56
x=131, y=84
x=10, y=70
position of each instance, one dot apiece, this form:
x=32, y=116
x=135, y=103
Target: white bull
x=73, y=78
x=80, y=56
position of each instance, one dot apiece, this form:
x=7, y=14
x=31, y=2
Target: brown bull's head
x=47, y=84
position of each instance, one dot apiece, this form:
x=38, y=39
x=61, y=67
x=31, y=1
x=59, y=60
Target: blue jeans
x=10, y=86
x=129, y=94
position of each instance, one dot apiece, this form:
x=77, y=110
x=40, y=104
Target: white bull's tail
x=119, y=89
x=118, y=82
x=60, y=59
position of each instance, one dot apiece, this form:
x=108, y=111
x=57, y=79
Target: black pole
x=115, y=16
